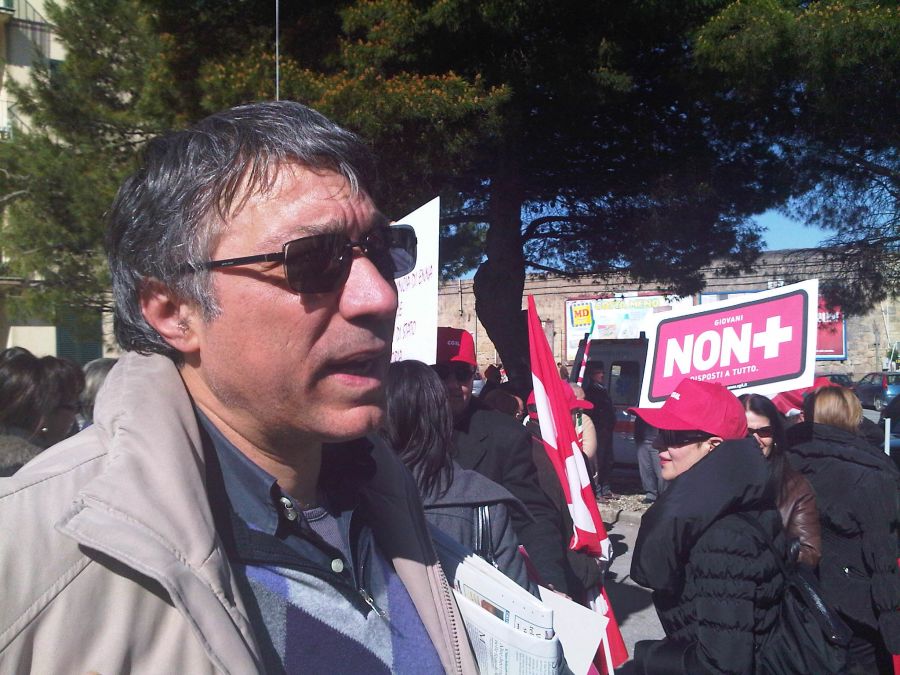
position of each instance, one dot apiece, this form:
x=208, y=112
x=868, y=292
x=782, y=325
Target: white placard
x=415, y=330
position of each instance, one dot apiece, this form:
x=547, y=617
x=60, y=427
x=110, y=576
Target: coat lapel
x=148, y=508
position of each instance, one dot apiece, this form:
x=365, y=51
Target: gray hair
x=169, y=215
x=95, y=373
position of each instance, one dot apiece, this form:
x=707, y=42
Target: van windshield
x=625, y=382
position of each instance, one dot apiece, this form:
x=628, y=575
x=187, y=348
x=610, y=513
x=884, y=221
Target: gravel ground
x=626, y=485
x=628, y=503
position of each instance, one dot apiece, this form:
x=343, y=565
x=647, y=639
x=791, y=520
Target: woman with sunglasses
x=465, y=505
x=795, y=498
x=716, y=583
x=857, y=494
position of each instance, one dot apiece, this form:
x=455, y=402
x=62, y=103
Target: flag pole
x=559, y=439
x=587, y=350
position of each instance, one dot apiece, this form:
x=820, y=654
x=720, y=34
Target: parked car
x=876, y=390
x=841, y=379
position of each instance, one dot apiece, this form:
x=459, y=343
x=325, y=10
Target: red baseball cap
x=580, y=402
x=705, y=406
x=455, y=344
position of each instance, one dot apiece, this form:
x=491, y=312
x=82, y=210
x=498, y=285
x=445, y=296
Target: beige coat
x=110, y=561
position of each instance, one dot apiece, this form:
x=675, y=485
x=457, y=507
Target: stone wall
x=869, y=337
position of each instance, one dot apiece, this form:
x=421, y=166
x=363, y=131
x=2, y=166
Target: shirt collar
x=254, y=493
x=251, y=490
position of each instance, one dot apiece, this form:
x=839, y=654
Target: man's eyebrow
x=378, y=220
x=274, y=241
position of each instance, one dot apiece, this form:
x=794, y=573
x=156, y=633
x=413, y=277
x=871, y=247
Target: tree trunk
x=500, y=282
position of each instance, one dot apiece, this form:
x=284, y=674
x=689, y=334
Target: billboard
x=621, y=316
x=759, y=343
x=831, y=342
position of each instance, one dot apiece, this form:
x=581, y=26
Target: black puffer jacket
x=716, y=583
x=857, y=495
x=497, y=447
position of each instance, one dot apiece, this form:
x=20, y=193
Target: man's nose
x=366, y=291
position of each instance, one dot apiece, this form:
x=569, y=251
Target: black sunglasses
x=460, y=371
x=320, y=263
x=669, y=438
x=762, y=432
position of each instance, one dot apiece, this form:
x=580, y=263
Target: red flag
x=561, y=444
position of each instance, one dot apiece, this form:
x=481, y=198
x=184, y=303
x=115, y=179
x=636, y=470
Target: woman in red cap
x=716, y=585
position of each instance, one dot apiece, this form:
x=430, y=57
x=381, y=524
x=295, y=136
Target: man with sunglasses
x=226, y=512
x=495, y=446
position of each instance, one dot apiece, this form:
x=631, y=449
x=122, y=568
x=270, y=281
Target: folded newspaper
x=510, y=630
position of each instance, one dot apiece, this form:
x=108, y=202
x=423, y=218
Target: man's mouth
x=370, y=364
x=364, y=368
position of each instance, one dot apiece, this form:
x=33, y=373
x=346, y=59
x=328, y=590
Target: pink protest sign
x=764, y=343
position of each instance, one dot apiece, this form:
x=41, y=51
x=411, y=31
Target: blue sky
x=782, y=232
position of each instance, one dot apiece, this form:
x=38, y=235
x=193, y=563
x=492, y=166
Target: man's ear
x=170, y=315
x=714, y=442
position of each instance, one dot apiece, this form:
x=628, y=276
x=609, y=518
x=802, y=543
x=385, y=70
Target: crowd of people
x=252, y=488
x=829, y=501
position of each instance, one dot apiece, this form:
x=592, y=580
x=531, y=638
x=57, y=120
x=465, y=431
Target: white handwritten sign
x=415, y=330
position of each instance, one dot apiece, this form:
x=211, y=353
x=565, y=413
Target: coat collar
x=470, y=423
x=830, y=441
x=148, y=507
x=470, y=488
x=153, y=475
x=734, y=478
x=473, y=430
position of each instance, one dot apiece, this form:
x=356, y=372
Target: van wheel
x=878, y=403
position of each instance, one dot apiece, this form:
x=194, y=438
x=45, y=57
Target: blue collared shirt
x=254, y=498
x=319, y=594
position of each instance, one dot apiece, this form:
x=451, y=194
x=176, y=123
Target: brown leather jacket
x=800, y=516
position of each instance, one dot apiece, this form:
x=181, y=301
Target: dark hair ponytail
x=418, y=424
